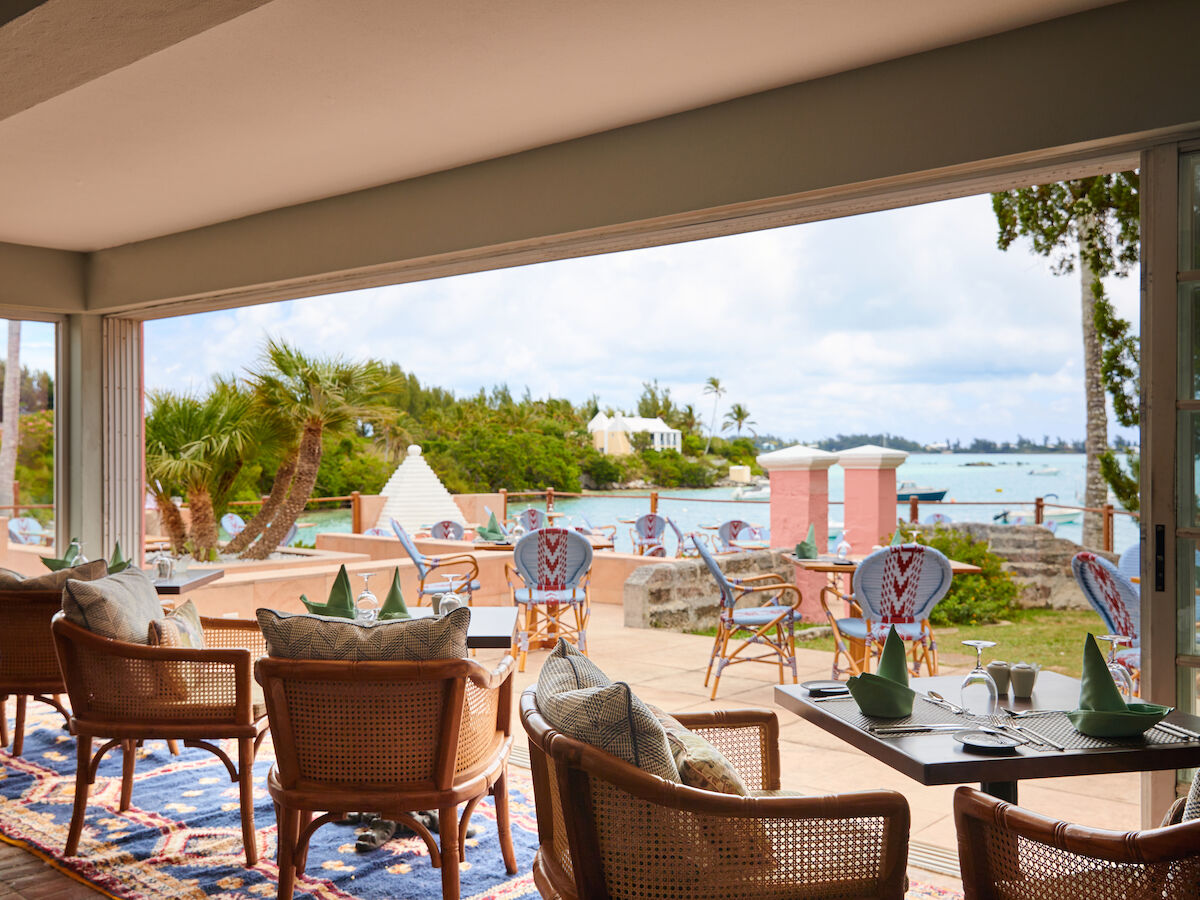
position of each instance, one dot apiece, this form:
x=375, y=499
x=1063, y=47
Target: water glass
x=1120, y=675
x=979, y=692
x=366, y=605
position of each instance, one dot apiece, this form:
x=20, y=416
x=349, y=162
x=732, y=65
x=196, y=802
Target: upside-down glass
x=366, y=604
x=979, y=692
x=1120, y=675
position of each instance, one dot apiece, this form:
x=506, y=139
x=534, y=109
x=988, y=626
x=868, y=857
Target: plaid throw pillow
x=52, y=581
x=120, y=606
x=305, y=636
x=700, y=764
x=579, y=700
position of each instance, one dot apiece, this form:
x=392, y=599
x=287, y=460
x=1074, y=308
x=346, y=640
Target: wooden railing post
x=914, y=509
x=503, y=504
x=356, y=522
x=1039, y=510
x=549, y=499
x=16, y=510
x=654, y=501
x=1108, y=527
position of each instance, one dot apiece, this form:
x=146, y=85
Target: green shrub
x=972, y=599
x=603, y=470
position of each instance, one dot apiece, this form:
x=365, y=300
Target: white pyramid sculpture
x=416, y=497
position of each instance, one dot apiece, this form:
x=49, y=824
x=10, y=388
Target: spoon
x=942, y=701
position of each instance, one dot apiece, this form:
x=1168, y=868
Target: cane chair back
x=446, y=530
x=607, y=829
x=648, y=531
x=28, y=662
x=548, y=581
x=532, y=519
x=387, y=737
x=1009, y=852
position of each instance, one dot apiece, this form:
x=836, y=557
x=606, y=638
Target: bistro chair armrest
x=768, y=576
x=497, y=676
x=748, y=738
x=458, y=559
x=777, y=591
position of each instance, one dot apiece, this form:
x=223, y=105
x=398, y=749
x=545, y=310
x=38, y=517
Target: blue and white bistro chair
x=1130, y=562
x=446, y=530
x=461, y=565
x=548, y=579
x=1117, y=601
x=233, y=524
x=26, y=530
x=898, y=585
x=647, y=534
x=532, y=519
x=937, y=518
x=771, y=626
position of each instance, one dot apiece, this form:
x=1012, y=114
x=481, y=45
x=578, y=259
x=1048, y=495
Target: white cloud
x=908, y=321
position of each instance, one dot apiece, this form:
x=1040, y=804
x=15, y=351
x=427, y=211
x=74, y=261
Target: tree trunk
x=1096, y=442
x=204, y=524
x=307, y=463
x=10, y=435
x=279, y=490
x=171, y=520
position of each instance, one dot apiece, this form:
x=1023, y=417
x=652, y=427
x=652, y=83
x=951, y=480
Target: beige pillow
x=120, y=606
x=305, y=636
x=52, y=581
x=180, y=629
x=700, y=764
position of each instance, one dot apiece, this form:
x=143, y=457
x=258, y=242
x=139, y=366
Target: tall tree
x=738, y=417
x=713, y=386
x=10, y=436
x=1090, y=224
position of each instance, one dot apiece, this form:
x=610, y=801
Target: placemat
x=925, y=712
x=1058, y=727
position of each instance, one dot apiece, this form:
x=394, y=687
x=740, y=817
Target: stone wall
x=1039, y=561
x=682, y=595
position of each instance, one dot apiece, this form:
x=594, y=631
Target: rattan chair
x=28, y=663
x=606, y=829
x=131, y=692
x=1010, y=853
x=392, y=738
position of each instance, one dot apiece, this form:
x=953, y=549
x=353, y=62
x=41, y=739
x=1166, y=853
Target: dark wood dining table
x=491, y=628
x=936, y=758
x=182, y=582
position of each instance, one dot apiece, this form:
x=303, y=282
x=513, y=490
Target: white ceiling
x=302, y=99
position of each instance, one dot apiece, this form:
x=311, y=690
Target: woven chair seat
x=441, y=587
x=857, y=629
x=762, y=615
x=534, y=595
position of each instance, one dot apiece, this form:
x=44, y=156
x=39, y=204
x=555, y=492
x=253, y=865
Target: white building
x=614, y=435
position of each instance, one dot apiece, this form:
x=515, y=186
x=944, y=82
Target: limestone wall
x=1039, y=561
x=681, y=594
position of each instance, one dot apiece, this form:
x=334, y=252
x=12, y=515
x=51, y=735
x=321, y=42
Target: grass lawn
x=1051, y=637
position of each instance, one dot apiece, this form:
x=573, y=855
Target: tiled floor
x=667, y=669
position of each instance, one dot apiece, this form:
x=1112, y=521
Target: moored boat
x=910, y=489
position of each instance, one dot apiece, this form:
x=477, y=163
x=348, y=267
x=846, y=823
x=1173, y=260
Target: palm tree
x=12, y=416
x=738, y=416
x=316, y=397
x=713, y=386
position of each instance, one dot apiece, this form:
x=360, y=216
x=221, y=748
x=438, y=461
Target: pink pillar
x=870, y=509
x=800, y=497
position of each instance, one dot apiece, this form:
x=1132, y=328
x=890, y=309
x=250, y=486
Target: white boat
x=1026, y=515
x=1045, y=470
x=758, y=491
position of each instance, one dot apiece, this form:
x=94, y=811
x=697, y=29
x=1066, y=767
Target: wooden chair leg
x=246, y=798
x=305, y=819
x=4, y=720
x=173, y=747
x=128, y=760
x=448, y=816
x=503, y=828
x=83, y=764
x=19, y=727
x=286, y=859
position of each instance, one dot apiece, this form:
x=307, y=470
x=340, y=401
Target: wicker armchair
x=28, y=663
x=131, y=692
x=391, y=738
x=1009, y=853
x=607, y=829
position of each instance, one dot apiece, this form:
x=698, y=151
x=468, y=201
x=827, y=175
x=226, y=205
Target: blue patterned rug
x=182, y=837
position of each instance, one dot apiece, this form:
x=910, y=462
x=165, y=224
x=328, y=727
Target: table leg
x=1001, y=790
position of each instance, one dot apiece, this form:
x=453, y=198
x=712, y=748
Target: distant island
x=979, y=445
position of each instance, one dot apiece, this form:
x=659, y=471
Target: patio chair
x=606, y=829
x=446, y=530
x=548, y=579
x=388, y=737
x=937, y=518
x=683, y=547
x=727, y=533
x=532, y=519
x=376, y=531
x=28, y=530
x=609, y=532
x=233, y=524
x=133, y=692
x=1117, y=601
x=647, y=532
x=771, y=625
x=1009, y=852
x=1129, y=564
x=427, y=566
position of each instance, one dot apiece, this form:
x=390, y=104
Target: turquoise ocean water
x=1004, y=483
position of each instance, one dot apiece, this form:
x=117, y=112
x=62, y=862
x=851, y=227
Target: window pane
x=1189, y=212
x=1189, y=469
x=1189, y=597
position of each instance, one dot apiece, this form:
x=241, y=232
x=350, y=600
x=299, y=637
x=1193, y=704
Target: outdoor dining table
x=491, y=628
x=182, y=582
x=935, y=757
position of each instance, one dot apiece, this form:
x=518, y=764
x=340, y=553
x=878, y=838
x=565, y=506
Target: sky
x=908, y=321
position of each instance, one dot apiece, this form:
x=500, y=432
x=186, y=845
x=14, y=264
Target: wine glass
x=979, y=688
x=452, y=582
x=366, y=604
x=1119, y=673
x=80, y=559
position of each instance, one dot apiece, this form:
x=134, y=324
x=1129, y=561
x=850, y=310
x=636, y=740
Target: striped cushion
x=120, y=606
x=303, y=636
x=607, y=716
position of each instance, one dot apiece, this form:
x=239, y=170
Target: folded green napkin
x=118, y=563
x=1102, y=712
x=68, y=559
x=341, y=600
x=492, y=530
x=886, y=694
x=393, y=605
x=807, y=548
